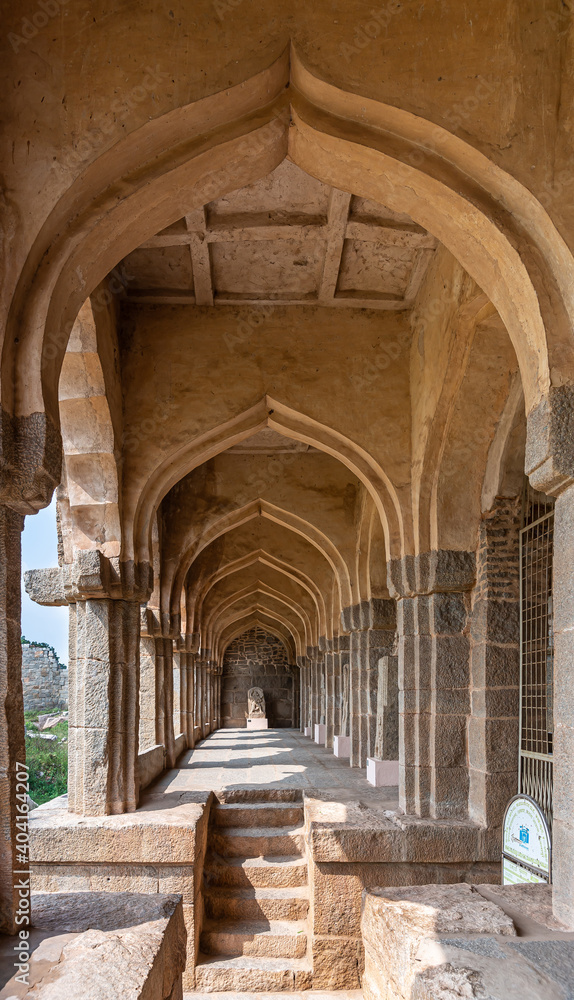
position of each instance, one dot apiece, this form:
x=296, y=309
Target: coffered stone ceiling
x=287, y=238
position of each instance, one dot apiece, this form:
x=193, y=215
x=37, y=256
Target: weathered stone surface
x=46, y=586
x=397, y=924
x=96, y=945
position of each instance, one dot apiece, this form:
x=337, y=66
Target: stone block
x=495, y=621
x=397, y=922
x=99, y=945
x=336, y=963
x=307, y=731
x=382, y=773
x=319, y=734
x=449, y=613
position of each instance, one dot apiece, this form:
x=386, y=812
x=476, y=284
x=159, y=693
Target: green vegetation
x=47, y=760
x=42, y=645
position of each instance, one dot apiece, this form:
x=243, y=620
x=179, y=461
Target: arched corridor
x=294, y=349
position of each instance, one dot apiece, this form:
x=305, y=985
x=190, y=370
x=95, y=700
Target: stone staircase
x=255, y=936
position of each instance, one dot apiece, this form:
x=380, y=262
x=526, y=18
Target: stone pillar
x=302, y=693
x=495, y=668
x=190, y=692
x=218, y=697
x=329, y=693
x=148, y=736
x=434, y=682
x=295, y=674
x=104, y=706
x=164, y=664
x=12, y=741
x=204, y=700
x=549, y=464
x=371, y=625
x=563, y=595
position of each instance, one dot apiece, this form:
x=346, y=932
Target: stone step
x=307, y=995
x=259, y=814
x=257, y=904
x=260, y=939
x=261, y=873
x=265, y=795
x=256, y=975
x=250, y=842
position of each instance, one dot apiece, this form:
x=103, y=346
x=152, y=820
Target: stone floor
x=271, y=759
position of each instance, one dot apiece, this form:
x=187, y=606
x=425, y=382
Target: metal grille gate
x=536, y=654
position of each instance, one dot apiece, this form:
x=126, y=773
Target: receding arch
x=265, y=559
x=257, y=590
x=380, y=152
x=271, y=616
x=274, y=627
x=262, y=508
x=269, y=412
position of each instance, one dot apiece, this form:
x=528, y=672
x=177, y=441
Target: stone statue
x=255, y=704
x=345, y=702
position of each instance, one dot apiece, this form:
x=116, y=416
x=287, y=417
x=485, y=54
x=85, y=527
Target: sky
x=39, y=550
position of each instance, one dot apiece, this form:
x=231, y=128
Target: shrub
x=48, y=763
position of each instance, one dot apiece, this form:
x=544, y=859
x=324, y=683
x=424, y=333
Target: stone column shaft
x=563, y=599
x=148, y=735
x=495, y=669
x=190, y=707
x=12, y=740
x=104, y=707
x=434, y=701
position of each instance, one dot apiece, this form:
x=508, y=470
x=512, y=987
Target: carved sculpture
x=345, y=701
x=255, y=703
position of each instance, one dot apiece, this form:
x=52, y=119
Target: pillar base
x=258, y=723
x=382, y=773
x=319, y=736
x=342, y=746
x=308, y=731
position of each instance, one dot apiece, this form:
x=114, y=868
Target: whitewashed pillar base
x=319, y=734
x=382, y=772
x=342, y=746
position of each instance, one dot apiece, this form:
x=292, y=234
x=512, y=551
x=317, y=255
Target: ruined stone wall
x=44, y=678
x=257, y=659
